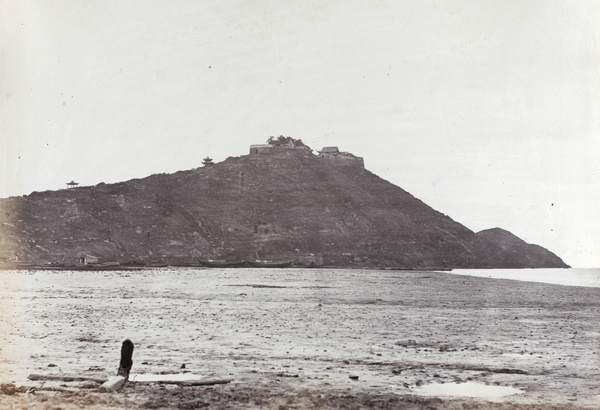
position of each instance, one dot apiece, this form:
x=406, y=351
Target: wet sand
x=296, y=338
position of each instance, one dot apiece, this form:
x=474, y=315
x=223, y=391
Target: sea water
x=568, y=277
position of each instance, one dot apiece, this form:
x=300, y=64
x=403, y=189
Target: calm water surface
x=567, y=277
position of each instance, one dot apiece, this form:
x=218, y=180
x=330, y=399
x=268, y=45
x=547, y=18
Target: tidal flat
x=299, y=338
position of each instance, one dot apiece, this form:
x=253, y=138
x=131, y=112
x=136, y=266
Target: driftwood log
x=64, y=378
x=199, y=382
x=112, y=384
x=125, y=365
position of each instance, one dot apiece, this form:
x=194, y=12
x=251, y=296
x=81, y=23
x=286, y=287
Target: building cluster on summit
x=331, y=154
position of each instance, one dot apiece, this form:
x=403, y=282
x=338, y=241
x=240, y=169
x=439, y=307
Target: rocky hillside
x=279, y=204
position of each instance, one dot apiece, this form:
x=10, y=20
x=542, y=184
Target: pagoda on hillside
x=207, y=161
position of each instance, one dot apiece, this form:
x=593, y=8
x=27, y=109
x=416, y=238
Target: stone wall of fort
x=344, y=159
x=273, y=149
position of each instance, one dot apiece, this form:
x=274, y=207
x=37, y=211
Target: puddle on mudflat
x=469, y=389
x=178, y=377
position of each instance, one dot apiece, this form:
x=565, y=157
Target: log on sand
x=115, y=380
x=199, y=382
x=112, y=384
x=64, y=378
x=125, y=364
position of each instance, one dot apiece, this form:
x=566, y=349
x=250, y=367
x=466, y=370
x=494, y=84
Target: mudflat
x=299, y=338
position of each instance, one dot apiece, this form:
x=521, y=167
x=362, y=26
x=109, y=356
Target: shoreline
x=582, y=277
x=213, y=265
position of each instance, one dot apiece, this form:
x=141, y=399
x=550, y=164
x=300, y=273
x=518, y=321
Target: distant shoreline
x=585, y=277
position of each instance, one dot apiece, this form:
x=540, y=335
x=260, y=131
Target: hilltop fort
x=281, y=202
x=282, y=145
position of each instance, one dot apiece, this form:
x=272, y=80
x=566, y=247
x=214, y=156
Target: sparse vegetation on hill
x=295, y=206
x=281, y=140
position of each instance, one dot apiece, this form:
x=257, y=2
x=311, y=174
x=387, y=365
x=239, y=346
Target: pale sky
x=488, y=111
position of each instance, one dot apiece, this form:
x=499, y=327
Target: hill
x=277, y=203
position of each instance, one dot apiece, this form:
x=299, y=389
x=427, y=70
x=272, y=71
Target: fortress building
x=332, y=155
x=274, y=148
